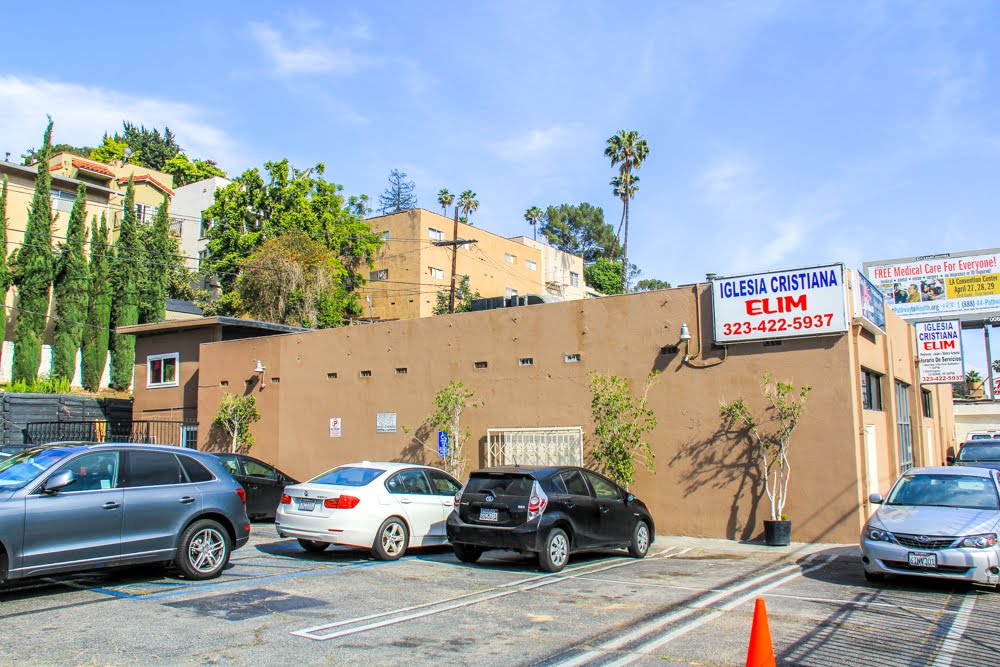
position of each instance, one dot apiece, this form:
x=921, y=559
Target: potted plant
x=770, y=438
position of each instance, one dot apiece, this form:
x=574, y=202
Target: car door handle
x=110, y=506
x=185, y=500
x=605, y=509
x=405, y=500
x=570, y=505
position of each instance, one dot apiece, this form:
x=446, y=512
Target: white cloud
x=82, y=114
x=308, y=56
x=725, y=176
x=532, y=144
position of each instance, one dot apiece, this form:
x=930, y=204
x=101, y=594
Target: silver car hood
x=945, y=521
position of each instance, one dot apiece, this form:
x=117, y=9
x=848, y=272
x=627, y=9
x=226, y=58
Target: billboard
x=955, y=285
x=779, y=304
x=869, y=305
x=939, y=348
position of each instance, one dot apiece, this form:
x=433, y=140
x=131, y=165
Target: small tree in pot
x=770, y=438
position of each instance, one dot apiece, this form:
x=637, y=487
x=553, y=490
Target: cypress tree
x=34, y=272
x=69, y=290
x=154, y=274
x=96, y=333
x=124, y=294
x=4, y=272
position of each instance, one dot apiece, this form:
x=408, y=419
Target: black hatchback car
x=551, y=511
x=264, y=483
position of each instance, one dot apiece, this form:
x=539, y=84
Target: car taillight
x=537, y=503
x=341, y=503
x=458, y=498
x=286, y=499
x=242, y=494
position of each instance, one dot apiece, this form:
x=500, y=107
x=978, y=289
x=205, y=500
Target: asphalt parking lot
x=689, y=603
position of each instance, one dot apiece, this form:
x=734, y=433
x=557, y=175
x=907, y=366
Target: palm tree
x=533, y=215
x=446, y=199
x=627, y=150
x=468, y=203
x=622, y=193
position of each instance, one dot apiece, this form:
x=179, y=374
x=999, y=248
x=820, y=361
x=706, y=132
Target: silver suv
x=80, y=506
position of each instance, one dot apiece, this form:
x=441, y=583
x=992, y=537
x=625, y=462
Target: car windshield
x=929, y=490
x=22, y=468
x=989, y=452
x=500, y=484
x=347, y=476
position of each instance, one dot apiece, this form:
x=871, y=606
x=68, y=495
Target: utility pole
x=454, y=243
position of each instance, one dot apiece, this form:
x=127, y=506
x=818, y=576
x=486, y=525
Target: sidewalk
x=794, y=550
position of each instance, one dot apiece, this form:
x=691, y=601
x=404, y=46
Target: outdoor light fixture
x=685, y=334
x=259, y=370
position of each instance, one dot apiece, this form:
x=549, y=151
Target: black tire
x=639, y=546
x=391, y=540
x=874, y=577
x=312, y=546
x=467, y=553
x=555, y=552
x=203, y=550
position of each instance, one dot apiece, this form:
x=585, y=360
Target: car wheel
x=204, y=550
x=312, y=546
x=555, y=552
x=874, y=577
x=391, y=540
x=467, y=553
x=640, y=540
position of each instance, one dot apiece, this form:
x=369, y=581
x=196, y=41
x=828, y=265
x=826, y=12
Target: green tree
x=627, y=150
x=450, y=402
x=996, y=364
x=358, y=205
x=236, y=414
x=533, y=216
x=649, y=284
x=295, y=280
x=185, y=171
x=468, y=204
x=398, y=195
x=446, y=199
x=125, y=270
x=69, y=291
x=111, y=149
x=96, y=333
x=4, y=271
x=464, y=296
x=580, y=230
x=149, y=147
x=156, y=257
x=624, y=194
x=770, y=444
x=604, y=275
x=33, y=273
x=621, y=422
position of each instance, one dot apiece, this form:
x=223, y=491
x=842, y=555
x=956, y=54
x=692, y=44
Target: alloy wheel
x=392, y=539
x=206, y=550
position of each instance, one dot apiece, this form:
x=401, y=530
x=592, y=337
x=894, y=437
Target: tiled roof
x=95, y=167
x=146, y=178
x=55, y=167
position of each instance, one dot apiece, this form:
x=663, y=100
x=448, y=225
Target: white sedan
x=385, y=507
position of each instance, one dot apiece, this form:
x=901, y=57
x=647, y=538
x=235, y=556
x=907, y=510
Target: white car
x=385, y=507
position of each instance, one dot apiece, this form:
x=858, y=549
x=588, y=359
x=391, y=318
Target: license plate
x=923, y=560
x=488, y=514
x=307, y=505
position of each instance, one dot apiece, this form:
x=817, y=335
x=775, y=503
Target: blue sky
x=781, y=134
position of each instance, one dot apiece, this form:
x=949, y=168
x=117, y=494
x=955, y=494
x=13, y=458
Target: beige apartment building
x=411, y=269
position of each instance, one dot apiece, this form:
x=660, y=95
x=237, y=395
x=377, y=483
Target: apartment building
x=187, y=219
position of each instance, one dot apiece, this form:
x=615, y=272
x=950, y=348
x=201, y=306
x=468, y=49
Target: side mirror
x=950, y=459
x=629, y=498
x=875, y=499
x=58, y=481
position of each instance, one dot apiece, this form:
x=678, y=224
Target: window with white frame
x=531, y=264
x=145, y=212
x=161, y=370
x=435, y=234
x=436, y=273
x=510, y=292
x=385, y=235
x=574, y=279
x=509, y=258
x=378, y=274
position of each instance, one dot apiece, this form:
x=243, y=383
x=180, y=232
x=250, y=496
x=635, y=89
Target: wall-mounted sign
x=964, y=285
x=442, y=444
x=869, y=304
x=939, y=347
x=335, y=427
x=781, y=304
x=385, y=422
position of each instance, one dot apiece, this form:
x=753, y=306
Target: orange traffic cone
x=760, y=653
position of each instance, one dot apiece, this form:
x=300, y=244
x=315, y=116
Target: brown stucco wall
x=171, y=403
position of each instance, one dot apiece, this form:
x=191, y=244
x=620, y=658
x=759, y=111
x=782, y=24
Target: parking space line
x=428, y=609
x=955, y=632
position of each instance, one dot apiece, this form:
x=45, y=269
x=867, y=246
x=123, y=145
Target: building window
x=63, y=201
x=574, y=279
x=925, y=400
x=871, y=390
x=571, y=358
x=531, y=264
x=526, y=361
x=437, y=273
x=903, y=426
x=510, y=293
x=509, y=258
x=206, y=224
x=400, y=371
x=435, y=234
x=380, y=274
x=145, y=212
x=161, y=370
x=331, y=376
x=385, y=235
x=479, y=365
x=366, y=374
x=202, y=256
x=177, y=228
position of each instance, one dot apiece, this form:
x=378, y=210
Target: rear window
x=196, y=472
x=349, y=476
x=501, y=484
x=989, y=452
